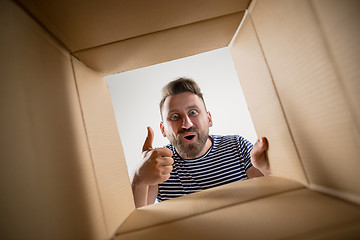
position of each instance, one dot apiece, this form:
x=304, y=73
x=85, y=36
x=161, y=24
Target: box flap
x=314, y=86
x=82, y=24
x=162, y=46
x=264, y=104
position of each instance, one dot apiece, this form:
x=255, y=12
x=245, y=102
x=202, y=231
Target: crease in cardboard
x=281, y=104
x=160, y=31
x=353, y=198
x=148, y=50
x=252, y=6
x=43, y=27
x=238, y=29
x=89, y=148
x=211, y=210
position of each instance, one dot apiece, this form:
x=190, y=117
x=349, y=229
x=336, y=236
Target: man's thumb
x=149, y=140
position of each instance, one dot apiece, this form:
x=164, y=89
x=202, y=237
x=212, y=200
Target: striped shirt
x=226, y=161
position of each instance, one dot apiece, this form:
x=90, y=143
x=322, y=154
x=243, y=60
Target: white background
x=136, y=95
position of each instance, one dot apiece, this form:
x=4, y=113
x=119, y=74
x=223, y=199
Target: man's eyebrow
x=187, y=108
x=173, y=110
x=192, y=106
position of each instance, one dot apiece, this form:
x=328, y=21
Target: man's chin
x=189, y=150
x=188, y=155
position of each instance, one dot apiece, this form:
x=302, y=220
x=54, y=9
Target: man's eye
x=174, y=116
x=193, y=112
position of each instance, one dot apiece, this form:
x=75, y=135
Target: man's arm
x=154, y=168
x=253, y=172
x=259, y=159
x=144, y=194
x=140, y=193
x=152, y=193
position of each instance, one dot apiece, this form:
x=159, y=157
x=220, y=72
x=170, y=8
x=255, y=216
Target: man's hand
x=258, y=156
x=156, y=164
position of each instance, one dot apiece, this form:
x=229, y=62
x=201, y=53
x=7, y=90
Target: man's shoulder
x=231, y=140
x=235, y=138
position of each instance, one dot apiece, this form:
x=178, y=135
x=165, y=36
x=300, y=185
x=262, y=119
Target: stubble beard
x=191, y=150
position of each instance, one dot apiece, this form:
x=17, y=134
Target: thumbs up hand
x=156, y=164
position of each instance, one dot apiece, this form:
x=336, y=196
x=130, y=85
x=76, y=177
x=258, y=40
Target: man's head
x=177, y=86
x=185, y=120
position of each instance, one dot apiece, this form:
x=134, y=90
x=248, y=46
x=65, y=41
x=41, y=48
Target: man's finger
x=165, y=170
x=262, y=144
x=165, y=177
x=259, y=148
x=164, y=152
x=166, y=161
x=149, y=140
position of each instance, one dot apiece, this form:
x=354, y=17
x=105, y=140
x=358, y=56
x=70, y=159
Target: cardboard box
x=63, y=173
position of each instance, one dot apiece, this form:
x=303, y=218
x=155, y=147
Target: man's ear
x=210, y=119
x=162, y=129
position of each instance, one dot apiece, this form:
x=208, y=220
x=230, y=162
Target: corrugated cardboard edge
x=86, y=25
x=320, y=123
x=202, y=202
x=104, y=145
x=259, y=89
x=162, y=46
x=49, y=185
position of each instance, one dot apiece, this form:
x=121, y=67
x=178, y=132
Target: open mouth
x=189, y=137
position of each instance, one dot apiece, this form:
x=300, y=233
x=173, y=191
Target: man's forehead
x=183, y=101
x=186, y=108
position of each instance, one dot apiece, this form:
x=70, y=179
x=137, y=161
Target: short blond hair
x=178, y=86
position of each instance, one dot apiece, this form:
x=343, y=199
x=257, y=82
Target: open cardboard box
x=63, y=173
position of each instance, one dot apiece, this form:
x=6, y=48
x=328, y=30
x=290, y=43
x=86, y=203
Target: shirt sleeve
x=244, y=148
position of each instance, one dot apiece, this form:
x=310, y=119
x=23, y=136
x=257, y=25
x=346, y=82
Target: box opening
x=136, y=95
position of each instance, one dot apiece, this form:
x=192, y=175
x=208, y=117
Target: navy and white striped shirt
x=226, y=161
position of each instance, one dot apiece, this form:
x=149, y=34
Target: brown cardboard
x=312, y=95
x=293, y=214
x=342, y=38
x=206, y=201
x=264, y=104
x=104, y=145
x=81, y=24
x=47, y=181
x=62, y=167
x=162, y=46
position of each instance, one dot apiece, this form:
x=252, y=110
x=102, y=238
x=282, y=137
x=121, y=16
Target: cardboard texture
x=264, y=105
x=48, y=186
x=63, y=173
x=255, y=218
x=342, y=40
x=315, y=104
x=81, y=24
x=105, y=146
x=205, y=201
x=162, y=46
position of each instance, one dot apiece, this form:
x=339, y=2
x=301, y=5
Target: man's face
x=186, y=124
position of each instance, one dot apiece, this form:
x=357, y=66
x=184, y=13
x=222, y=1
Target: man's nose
x=187, y=122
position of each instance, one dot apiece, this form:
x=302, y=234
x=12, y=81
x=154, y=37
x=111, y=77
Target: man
x=194, y=160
